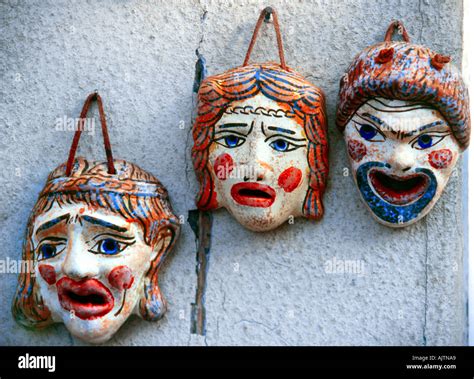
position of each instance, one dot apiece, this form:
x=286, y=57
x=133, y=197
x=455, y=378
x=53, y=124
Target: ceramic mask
x=404, y=113
x=96, y=241
x=260, y=144
x=260, y=147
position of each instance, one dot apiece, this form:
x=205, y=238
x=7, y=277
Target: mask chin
x=93, y=332
x=396, y=201
x=257, y=220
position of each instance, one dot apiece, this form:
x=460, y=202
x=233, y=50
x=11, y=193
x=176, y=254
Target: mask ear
x=152, y=305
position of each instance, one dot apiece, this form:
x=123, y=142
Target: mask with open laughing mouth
x=394, y=199
x=404, y=113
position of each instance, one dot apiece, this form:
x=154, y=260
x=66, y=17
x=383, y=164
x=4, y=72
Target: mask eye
x=109, y=246
x=425, y=141
x=230, y=141
x=370, y=133
x=282, y=145
x=49, y=250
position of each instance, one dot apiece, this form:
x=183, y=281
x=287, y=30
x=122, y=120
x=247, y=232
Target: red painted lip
x=253, y=194
x=88, y=299
x=399, y=190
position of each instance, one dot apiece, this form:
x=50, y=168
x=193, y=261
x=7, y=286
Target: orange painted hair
x=405, y=71
x=132, y=193
x=304, y=100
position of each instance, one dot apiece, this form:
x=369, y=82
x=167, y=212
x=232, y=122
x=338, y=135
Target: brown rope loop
x=400, y=27
x=77, y=135
x=265, y=15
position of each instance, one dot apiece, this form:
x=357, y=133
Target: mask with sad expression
x=260, y=145
x=96, y=238
x=404, y=112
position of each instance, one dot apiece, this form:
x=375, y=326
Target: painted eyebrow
x=400, y=134
x=233, y=125
x=375, y=119
x=281, y=130
x=375, y=122
x=51, y=223
x=424, y=127
x=98, y=221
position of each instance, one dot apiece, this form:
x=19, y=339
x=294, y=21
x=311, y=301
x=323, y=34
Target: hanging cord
x=400, y=28
x=265, y=14
x=77, y=135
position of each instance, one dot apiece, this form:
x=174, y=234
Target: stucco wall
x=262, y=289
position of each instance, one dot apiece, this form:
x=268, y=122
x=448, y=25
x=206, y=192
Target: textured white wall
x=262, y=289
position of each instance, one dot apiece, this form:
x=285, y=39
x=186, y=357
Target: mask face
x=90, y=268
x=260, y=165
x=260, y=146
x=402, y=155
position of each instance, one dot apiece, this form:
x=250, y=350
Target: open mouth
x=399, y=190
x=253, y=194
x=88, y=299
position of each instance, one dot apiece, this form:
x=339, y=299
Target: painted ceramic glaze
x=97, y=242
x=96, y=239
x=404, y=113
x=260, y=147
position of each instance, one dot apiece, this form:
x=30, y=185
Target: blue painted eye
x=425, y=141
x=232, y=141
x=368, y=132
x=109, y=246
x=280, y=145
x=47, y=251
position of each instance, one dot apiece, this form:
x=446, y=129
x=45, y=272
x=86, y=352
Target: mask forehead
x=60, y=216
x=401, y=116
x=275, y=116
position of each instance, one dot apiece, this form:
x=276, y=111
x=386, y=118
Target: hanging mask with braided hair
x=96, y=239
x=260, y=144
x=404, y=113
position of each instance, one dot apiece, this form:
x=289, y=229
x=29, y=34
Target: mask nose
x=256, y=174
x=79, y=263
x=256, y=168
x=402, y=158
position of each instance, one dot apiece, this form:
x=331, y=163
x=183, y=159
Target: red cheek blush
x=223, y=166
x=121, y=277
x=440, y=158
x=47, y=273
x=290, y=179
x=356, y=150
